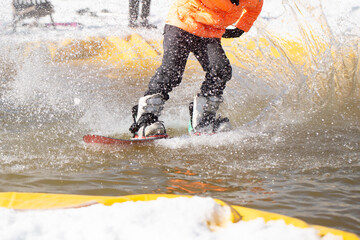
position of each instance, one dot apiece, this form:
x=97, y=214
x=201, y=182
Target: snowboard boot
x=145, y=24
x=133, y=24
x=203, y=116
x=145, y=115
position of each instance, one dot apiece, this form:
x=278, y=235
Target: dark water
x=295, y=149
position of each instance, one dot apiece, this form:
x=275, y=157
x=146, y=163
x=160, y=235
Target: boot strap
x=218, y=122
x=144, y=120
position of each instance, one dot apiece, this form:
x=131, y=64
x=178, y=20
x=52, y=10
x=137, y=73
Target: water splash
x=298, y=67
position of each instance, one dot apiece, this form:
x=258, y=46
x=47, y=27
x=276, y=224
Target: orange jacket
x=209, y=18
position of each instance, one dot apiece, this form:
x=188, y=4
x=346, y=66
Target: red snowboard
x=116, y=141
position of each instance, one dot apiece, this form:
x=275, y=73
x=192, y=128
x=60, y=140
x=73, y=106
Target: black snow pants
x=134, y=9
x=208, y=51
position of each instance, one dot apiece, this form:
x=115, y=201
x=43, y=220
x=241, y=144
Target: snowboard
x=98, y=139
x=64, y=24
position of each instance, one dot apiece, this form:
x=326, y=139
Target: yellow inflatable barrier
x=32, y=201
x=138, y=56
x=274, y=58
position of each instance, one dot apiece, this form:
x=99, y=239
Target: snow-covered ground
x=179, y=218
x=110, y=17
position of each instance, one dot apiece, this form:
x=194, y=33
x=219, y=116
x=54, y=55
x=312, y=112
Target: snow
x=101, y=18
x=178, y=218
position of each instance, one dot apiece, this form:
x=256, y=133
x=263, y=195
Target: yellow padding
x=127, y=53
x=269, y=56
x=24, y=201
x=21, y=201
x=135, y=50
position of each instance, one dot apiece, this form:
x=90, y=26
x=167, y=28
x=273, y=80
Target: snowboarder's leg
x=218, y=70
x=167, y=76
x=133, y=12
x=176, y=52
x=145, y=12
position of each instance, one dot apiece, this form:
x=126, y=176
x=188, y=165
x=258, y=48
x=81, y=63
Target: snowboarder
x=195, y=26
x=134, y=13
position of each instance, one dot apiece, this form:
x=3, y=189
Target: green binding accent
x=190, y=128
